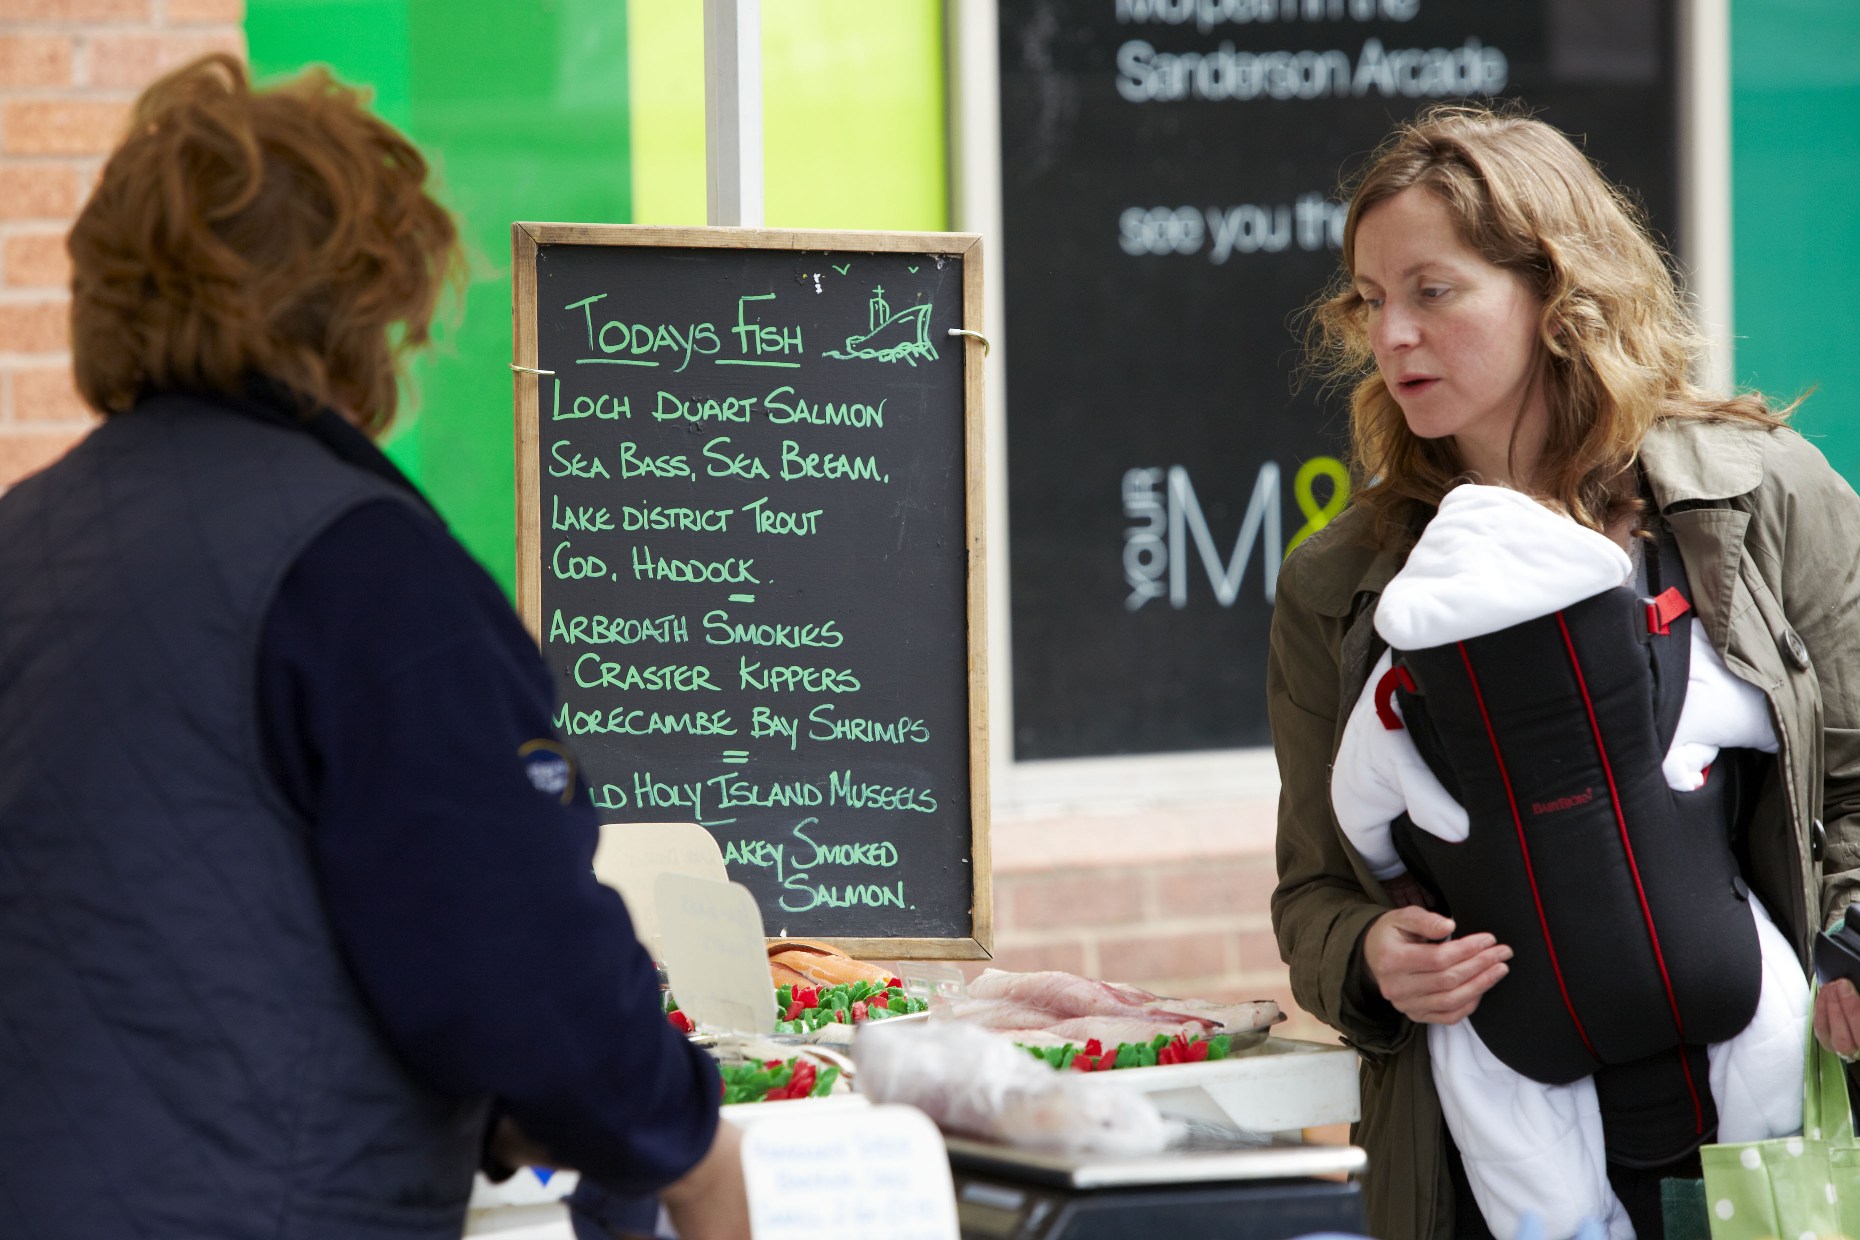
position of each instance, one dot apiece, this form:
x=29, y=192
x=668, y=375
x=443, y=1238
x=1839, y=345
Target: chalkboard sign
x=1169, y=174
x=750, y=547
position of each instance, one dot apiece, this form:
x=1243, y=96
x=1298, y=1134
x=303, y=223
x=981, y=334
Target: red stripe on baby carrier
x=1385, y=689
x=1529, y=872
x=1646, y=912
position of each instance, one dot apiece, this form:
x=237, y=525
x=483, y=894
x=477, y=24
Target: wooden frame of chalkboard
x=645, y=638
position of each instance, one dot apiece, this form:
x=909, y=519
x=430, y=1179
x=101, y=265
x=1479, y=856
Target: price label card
x=632, y=855
x=710, y=938
x=817, y=1173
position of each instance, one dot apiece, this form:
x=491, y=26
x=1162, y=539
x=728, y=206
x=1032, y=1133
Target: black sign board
x=750, y=543
x=1169, y=178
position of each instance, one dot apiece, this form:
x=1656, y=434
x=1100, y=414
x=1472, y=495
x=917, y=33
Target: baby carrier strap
x=1668, y=634
x=1619, y=897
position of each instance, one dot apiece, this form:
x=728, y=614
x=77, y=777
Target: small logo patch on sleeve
x=550, y=767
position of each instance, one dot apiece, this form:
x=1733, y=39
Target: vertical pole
x=1705, y=181
x=975, y=102
x=733, y=111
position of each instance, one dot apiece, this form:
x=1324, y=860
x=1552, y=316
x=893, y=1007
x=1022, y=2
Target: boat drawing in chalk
x=900, y=337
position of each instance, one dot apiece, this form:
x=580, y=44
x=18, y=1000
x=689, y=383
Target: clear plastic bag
x=979, y=1084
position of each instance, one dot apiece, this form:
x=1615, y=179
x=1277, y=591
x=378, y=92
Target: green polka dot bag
x=1792, y=1188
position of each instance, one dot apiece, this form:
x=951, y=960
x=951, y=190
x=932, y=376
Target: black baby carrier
x=1633, y=942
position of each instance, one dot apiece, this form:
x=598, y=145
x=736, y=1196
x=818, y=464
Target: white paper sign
x=710, y=940
x=821, y=1174
x=632, y=855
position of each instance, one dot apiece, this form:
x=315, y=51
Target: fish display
x=1052, y=1008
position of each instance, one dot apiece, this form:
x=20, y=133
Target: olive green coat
x=1770, y=536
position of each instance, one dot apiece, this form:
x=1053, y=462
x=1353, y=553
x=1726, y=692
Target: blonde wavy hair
x=237, y=233
x=1619, y=345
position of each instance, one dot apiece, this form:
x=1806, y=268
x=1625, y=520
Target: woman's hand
x=1837, y=1017
x=710, y=1202
x=1435, y=979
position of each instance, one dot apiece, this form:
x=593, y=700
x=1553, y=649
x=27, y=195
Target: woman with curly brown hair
x=1505, y=321
x=297, y=917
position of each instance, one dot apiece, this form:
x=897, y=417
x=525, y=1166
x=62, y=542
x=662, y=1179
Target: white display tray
x=1280, y=1085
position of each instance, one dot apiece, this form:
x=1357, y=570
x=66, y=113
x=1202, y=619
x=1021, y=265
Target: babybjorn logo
x=1562, y=803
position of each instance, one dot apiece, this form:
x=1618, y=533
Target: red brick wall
x=1174, y=899
x=69, y=70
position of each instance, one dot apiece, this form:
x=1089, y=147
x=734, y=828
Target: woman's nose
x=1393, y=328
